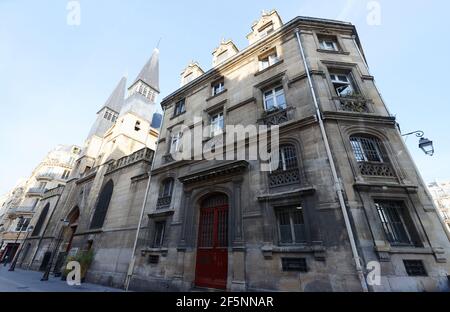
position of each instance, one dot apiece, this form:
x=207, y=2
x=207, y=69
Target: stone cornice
x=220, y=170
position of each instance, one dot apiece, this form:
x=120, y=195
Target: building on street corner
x=156, y=205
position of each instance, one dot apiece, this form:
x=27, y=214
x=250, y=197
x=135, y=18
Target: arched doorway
x=212, y=244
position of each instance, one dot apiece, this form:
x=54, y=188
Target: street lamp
x=425, y=144
x=16, y=257
x=65, y=223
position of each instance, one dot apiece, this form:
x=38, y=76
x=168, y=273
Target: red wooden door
x=212, y=249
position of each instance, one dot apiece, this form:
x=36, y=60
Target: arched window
x=371, y=156
x=102, y=205
x=165, y=193
x=41, y=220
x=367, y=148
x=287, y=171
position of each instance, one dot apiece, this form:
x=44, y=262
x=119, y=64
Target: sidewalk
x=30, y=281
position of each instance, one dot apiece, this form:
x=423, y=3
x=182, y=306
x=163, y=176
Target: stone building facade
x=440, y=191
x=21, y=203
x=226, y=224
x=99, y=208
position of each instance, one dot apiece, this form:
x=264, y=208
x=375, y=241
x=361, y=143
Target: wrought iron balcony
x=284, y=177
x=355, y=104
x=376, y=169
x=163, y=201
x=143, y=154
x=277, y=117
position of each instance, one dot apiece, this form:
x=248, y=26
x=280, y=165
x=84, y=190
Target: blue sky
x=55, y=77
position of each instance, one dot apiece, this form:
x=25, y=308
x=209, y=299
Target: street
x=30, y=281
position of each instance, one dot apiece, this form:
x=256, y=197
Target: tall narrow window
x=165, y=193
x=159, y=234
x=175, y=143
x=179, y=107
x=216, y=124
x=274, y=98
x=395, y=221
x=102, y=205
x=41, y=220
x=291, y=225
x=287, y=172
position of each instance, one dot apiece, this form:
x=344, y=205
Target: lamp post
x=16, y=257
x=425, y=144
x=65, y=223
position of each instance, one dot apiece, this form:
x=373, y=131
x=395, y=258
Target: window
x=137, y=126
x=175, y=143
x=41, y=220
x=65, y=174
x=343, y=84
x=274, y=98
x=294, y=264
x=165, y=193
x=415, y=268
x=179, y=107
x=218, y=87
x=268, y=59
x=266, y=30
x=22, y=224
x=217, y=124
x=288, y=158
x=395, y=221
x=366, y=149
x=102, y=206
x=159, y=234
x=328, y=43
x=291, y=225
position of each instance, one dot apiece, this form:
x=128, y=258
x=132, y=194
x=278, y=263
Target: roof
x=150, y=72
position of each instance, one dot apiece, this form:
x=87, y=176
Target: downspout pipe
x=144, y=203
x=336, y=179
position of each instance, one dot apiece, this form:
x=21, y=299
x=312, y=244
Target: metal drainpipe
x=419, y=175
x=133, y=256
x=337, y=182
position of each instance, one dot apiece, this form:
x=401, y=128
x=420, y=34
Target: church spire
x=149, y=74
x=117, y=97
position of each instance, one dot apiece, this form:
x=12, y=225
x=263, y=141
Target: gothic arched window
x=41, y=220
x=288, y=170
x=102, y=205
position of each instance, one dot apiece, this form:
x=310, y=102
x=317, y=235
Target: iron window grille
x=415, y=268
x=366, y=149
x=294, y=264
x=393, y=219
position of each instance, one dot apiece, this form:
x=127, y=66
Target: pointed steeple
x=150, y=72
x=117, y=97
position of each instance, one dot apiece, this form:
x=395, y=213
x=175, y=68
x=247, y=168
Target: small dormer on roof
x=192, y=71
x=224, y=51
x=268, y=23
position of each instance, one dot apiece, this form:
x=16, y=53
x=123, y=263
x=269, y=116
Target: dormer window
x=222, y=57
x=266, y=30
x=218, y=87
x=328, y=43
x=188, y=78
x=268, y=59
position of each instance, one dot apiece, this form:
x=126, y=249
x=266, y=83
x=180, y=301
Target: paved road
x=30, y=281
